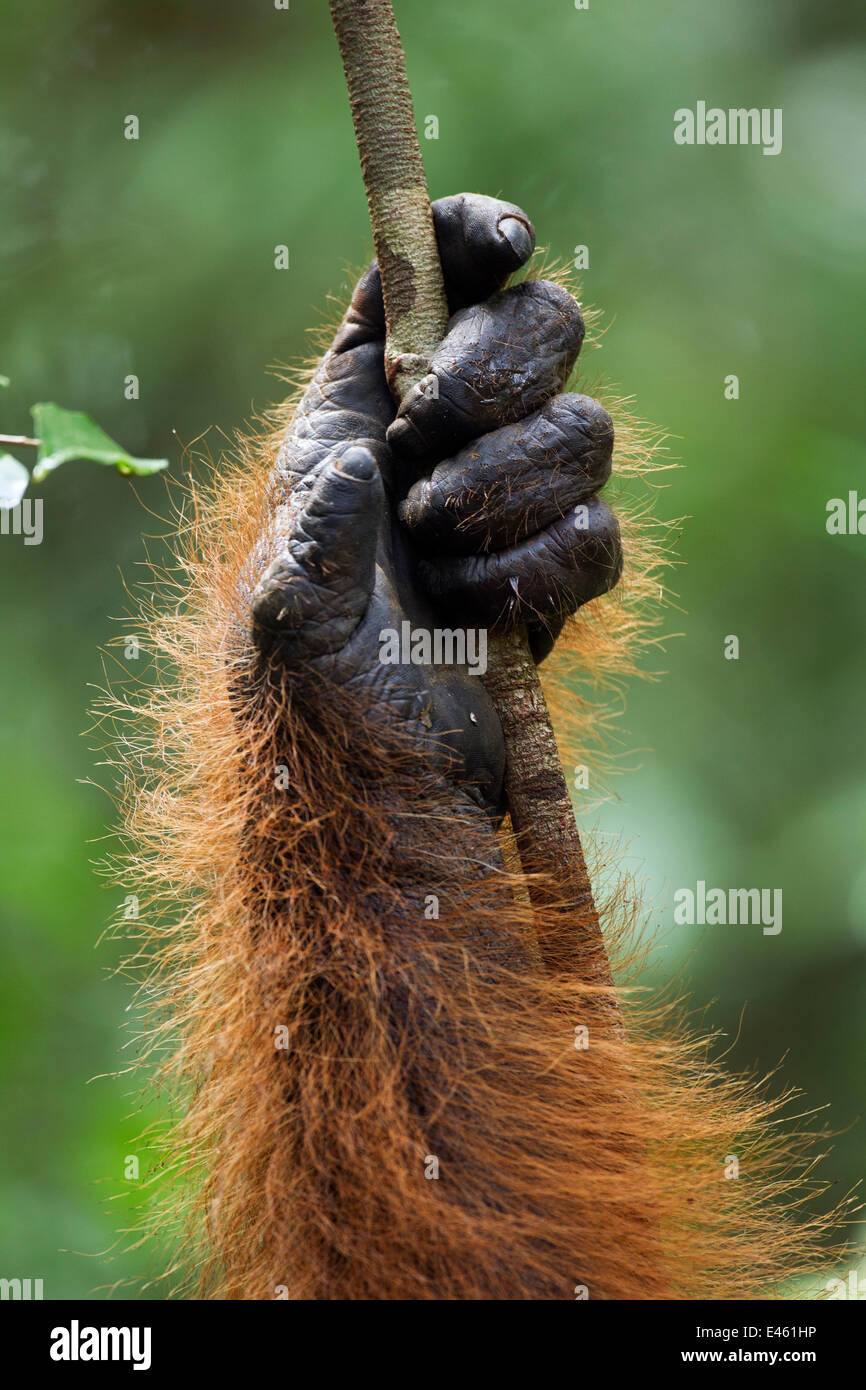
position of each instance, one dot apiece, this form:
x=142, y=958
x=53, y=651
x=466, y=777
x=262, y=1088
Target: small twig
x=21, y=440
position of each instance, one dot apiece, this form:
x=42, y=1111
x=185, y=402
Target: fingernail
x=404, y=438
x=358, y=463
x=518, y=237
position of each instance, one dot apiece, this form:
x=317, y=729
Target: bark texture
x=416, y=309
x=416, y=315
x=542, y=820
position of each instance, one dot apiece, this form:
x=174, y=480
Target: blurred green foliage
x=156, y=258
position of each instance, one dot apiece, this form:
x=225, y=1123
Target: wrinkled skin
x=458, y=510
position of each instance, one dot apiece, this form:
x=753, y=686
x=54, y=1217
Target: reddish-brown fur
x=325, y=1040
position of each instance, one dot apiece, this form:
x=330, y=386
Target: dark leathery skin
x=514, y=481
x=473, y=506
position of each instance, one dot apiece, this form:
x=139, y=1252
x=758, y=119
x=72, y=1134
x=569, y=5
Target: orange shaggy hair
x=328, y=1045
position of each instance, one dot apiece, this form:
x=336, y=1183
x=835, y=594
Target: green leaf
x=69, y=434
x=13, y=481
x=4, y=381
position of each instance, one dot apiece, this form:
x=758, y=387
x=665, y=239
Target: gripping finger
x=481, y=242
x=310, y=600
x=499, y=361
x=540, y=580
x=513, y=481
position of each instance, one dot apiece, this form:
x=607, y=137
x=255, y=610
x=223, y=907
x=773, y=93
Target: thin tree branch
x=416, y=311
x=416, y=316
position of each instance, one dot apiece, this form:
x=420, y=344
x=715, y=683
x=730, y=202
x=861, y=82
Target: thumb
x=310, y=600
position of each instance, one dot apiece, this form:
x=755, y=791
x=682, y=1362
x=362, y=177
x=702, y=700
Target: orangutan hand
x=472, y=507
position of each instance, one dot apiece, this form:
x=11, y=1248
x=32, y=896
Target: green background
x=156, y=257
